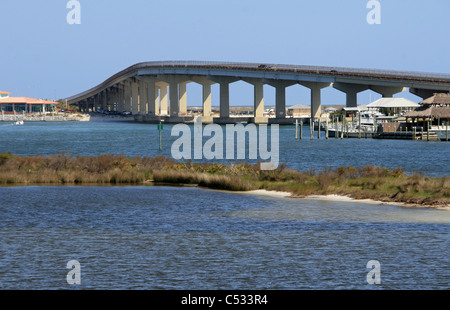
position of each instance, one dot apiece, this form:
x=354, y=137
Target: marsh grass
x=368, y=182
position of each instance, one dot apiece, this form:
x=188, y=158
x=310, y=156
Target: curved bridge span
x=157, y=90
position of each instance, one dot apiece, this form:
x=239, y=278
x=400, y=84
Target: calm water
x=94, y=138
x=189, y=238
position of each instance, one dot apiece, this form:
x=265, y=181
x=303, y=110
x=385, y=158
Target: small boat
x=442, y=132
x=19, y=122
x=365, y=132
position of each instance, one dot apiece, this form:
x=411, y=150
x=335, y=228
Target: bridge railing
x=276, y=67
x=301, y=69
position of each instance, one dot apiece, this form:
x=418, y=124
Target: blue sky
x=43, y=56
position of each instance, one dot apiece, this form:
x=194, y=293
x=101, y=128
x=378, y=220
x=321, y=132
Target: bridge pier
x=134, y=97
x=182, y=97
x=206, y=96
x=351, y=91
x=104, y=105
x=114, y=99
x=163, y=97
x=143, y=97
x=95, y=102
x=316, y=105
x=387, y=91
x=177, y=93
x=127, y=95
x=224, y=83
x=280, y=96
x=258, y=100
x=152, y=97
x=425, y=93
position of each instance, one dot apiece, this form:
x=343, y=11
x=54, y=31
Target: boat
x=442, y=132
x=19, y=122
x=352, y=132
x=364, y=125
x=369, y=118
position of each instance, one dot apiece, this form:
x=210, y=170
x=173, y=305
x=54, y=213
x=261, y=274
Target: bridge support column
x=258, y=100
x=153, y=98
x=114, y=99
x=280, y=101
x=387, y=91
x=206, y=115
x=164, y=110
x=81, y=105
x=224, y=100
x=151, y=95
x=135, y=97
x=95, y=101
x=425, y=93
x=316, y=105
x=121, y=98
x=174, y=100
x=224, y=83
x=280, y=96
x=109, y=98
x=206, y=92
x=259, y=103
x=88, y=104
x=143, y=97
x=174, y=82
x=127, y=96
x=84, y=106
x=351, y=91
x=182, y=97
x=104, y=105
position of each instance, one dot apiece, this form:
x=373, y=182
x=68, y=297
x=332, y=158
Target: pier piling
x=359, y=127
x=301, y=130
x=446, y=131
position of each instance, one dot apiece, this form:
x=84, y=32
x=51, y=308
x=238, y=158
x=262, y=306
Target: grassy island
x=369, y=182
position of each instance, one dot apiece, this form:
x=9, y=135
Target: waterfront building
x=299, y=110
x=24, y=104
x=435, y=110
x=393, y=106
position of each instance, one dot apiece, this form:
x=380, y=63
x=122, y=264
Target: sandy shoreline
x=341, y=198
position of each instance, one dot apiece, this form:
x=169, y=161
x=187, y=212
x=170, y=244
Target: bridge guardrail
x=301, y=69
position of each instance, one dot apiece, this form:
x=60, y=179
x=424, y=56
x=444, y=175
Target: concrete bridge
x=155, y=91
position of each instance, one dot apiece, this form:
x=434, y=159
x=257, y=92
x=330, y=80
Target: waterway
x=147, y=237
x=188, y=238
x=134, y=139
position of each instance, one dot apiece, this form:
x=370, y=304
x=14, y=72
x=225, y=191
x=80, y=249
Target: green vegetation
x=367, y=182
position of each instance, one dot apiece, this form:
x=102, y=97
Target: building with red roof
x=23, y=104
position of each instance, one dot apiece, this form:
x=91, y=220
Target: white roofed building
x=396, y=106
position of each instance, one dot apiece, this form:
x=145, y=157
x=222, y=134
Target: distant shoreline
x=61, y=117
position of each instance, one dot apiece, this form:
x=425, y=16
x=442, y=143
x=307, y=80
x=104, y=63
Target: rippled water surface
x=94, y=138
x=189, y=238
